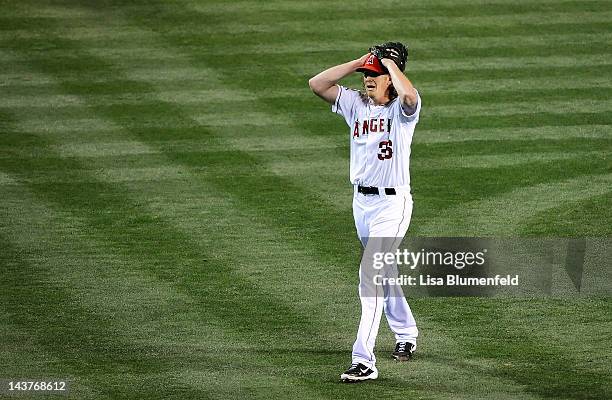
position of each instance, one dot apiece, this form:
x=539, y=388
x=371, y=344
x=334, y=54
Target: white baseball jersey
x=380, y=139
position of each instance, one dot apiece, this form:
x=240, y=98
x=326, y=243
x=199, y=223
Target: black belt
x=374, y=190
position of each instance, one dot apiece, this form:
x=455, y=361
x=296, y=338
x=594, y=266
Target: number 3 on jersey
x=385, y=150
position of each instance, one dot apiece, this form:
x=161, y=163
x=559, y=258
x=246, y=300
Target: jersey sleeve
x=345, y=103
x=409, y=115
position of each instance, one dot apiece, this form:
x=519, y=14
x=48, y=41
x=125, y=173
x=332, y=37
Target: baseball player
x=381, y=121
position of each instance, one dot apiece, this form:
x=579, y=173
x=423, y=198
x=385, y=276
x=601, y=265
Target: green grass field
x=175, y=212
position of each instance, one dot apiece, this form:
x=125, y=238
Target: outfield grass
x=175, y=213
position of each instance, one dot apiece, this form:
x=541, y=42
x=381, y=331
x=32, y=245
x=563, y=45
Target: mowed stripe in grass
x=268, y=210
x=105, y=144
x=554, y=47
x=447, y=8
x=502, y=93
x=255, y=27
x=227, y=116
x=184, y=86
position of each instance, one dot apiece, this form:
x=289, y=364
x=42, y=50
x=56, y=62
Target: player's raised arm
x=393, y=56
x=406, y=93
x=324, y=83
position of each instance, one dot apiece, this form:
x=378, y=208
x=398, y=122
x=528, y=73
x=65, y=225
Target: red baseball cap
x=372, y=64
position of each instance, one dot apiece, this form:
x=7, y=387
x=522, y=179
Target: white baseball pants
x=377, y=217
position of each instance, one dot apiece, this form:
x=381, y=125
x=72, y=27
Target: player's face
x=376, y=86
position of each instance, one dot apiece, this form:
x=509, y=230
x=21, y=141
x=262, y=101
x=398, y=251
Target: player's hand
x=386, y=62
x=362, y=59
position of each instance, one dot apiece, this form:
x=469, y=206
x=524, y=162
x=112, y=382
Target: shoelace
x=402, y=347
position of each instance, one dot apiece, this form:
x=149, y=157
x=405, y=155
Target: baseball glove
x=395, y=51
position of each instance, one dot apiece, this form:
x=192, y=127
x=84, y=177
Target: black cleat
x=403, y=351
x=359, y=372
